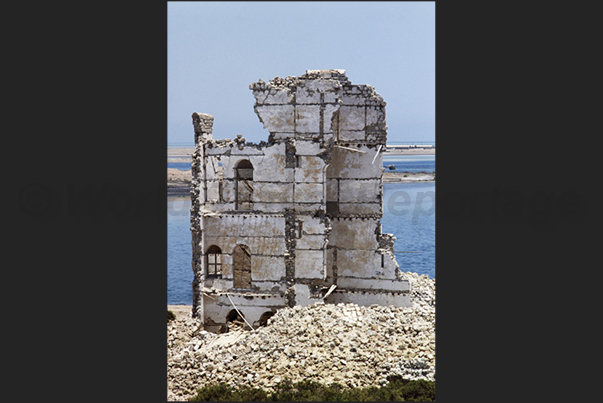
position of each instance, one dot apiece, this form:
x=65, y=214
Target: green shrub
x=214, y=393
x=304, y=390
x=360, y=394
x=396, y=390
x=171, y=316
x=419, y=391
x=249, y=395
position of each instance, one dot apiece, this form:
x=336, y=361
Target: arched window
x=244, y=185
x=242, y=267
x=233, y=315
x=234, y=321
x=214, y=261
x=265, y=316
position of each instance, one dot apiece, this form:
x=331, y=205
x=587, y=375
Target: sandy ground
x=178, y=183
x=180, y=152
x=412, y=151
x=177, y=176
x=181, y=311
x=407, y=177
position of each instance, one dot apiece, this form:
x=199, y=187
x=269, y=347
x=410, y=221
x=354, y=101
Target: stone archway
x=233, y=315
x=265, y=316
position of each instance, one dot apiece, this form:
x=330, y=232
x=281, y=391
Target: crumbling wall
x=300, y=112
x=265, y=238
x=252, y=305
x=203, y=127
x=358, y=257
x=311, y=213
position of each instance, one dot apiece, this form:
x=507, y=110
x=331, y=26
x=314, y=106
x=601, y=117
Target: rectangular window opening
x=220, y=191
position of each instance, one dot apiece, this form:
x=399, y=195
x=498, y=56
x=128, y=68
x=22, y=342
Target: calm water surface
x=410, y=163
x=180, y=273
x=183, y=166
x=409, y=214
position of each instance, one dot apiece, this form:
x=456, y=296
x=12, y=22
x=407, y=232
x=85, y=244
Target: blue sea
x=408, y=213
x=183, y=166
x=409, y=163
x=180, y=272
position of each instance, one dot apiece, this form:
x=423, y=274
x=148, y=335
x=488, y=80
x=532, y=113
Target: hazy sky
x=217, y=49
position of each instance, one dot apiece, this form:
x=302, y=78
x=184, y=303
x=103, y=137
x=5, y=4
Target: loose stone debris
x=353, y=345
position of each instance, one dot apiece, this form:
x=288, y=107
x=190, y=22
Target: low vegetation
x=171, y=316
x=395, y=390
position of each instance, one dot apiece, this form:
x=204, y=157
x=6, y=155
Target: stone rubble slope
x=353, y=345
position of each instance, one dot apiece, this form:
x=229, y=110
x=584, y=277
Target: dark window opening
x=220, y=191
x=233, y=315
x=297, y=161
x=234, y=321
x=335, y=125
x=244, y=185
x=332, y=207
x=265, y=316
x=244, y=170
x=214, y=261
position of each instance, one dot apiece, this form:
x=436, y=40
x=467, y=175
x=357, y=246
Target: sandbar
x=185, y=154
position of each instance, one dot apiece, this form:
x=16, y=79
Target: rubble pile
x=345, y=343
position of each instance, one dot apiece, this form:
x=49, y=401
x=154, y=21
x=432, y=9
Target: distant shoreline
x=179, y=181
x=183, y=154
x=411, y=151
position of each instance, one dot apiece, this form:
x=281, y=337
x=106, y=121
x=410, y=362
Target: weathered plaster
x=323, y=146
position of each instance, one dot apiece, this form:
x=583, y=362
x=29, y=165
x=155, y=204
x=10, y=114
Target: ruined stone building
x=289, y=221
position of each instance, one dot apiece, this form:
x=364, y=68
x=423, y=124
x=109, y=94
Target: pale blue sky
x=217, y=49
